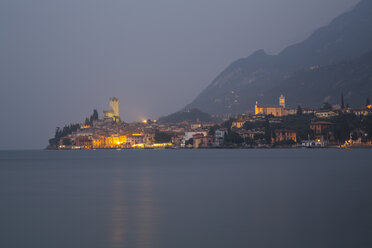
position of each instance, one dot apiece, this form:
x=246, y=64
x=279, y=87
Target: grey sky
x=61, y=59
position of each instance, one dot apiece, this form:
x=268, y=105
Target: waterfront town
x=266, y=126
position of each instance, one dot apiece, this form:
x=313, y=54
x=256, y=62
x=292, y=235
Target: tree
x=87, y=121
x=53, y=142
x=162, y=137
x=367, y=125
x=60, y=133
x=66, y=142
x=267, y=131
x=189, y=142
x=341, y=128
x=228, y=123
x=95, y=115
x=233, y=138
x=299, y=110
x=212, y=130
x=326, y=106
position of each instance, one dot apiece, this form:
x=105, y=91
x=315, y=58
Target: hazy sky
x=61, y=59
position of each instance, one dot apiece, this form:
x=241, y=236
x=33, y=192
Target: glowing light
x=140, y=145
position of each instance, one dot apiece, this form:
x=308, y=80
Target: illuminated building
x=282, y=101
x=115, y=141
x=113, y=113
x=360, y=112
x=319, y=126
x=237, y=124
x=326, y=114
x=84, y=142
x=285, y=135
x=135, y=139
x=98, y=142
x=275, y=110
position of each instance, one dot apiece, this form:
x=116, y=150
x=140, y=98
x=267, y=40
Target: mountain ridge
x=351, y=78
x=246, y=80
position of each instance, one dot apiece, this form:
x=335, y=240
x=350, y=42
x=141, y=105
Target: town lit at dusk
x=186, y=124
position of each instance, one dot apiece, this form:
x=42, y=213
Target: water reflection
x=119, y=215
x=132, y=216
x=146, y=211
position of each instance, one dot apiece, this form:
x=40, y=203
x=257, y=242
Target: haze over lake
x=186, y=198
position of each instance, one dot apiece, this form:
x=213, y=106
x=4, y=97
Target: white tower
x=282, y=101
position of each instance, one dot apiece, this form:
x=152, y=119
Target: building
x=201, y=141
x=219, y=136
x=98, y=142
x=275, y=110
x=113, y=113
x=285, y=135
x=361, y=112
x=237, y=124
x=135, y=139
x=189, y=135
x=326, y=114
x=194, y=126
x=312, y=143
x=282, y=101
x=319, y=126
x=306, y=111
x=292, y=111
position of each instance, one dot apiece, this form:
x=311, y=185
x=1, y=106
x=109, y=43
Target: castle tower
x=114, y=106
x=256, y=112
x=282, y=101
x=113, y=113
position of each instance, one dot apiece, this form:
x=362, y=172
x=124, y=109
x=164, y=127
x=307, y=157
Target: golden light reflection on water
x=146, y=211
x=132, y=220
x=119, y=215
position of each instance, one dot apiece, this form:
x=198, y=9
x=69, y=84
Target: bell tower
x=282, y=101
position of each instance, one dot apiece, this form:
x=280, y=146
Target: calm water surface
x=186, y=198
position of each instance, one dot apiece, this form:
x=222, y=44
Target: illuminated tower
x=256, y=112
x=113, y=113
x=282, y=101
x=114, y=106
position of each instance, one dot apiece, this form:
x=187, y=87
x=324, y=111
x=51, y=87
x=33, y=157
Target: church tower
x=282, y=101
x=256, y=111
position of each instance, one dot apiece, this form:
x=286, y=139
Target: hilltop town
x=268, y=126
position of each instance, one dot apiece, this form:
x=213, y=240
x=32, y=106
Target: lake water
x=186, y=198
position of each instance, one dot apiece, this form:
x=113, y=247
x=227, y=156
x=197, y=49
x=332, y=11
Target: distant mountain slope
x=192, y=115
x=353, y=78
x=246, y=80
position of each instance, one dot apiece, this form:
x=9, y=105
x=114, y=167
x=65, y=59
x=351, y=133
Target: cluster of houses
x=111, y=133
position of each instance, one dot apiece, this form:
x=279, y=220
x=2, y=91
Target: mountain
x=247, y=80
x=311, y=87
x=192, y=115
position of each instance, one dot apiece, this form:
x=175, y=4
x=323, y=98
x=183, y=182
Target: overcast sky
x=59, y=60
